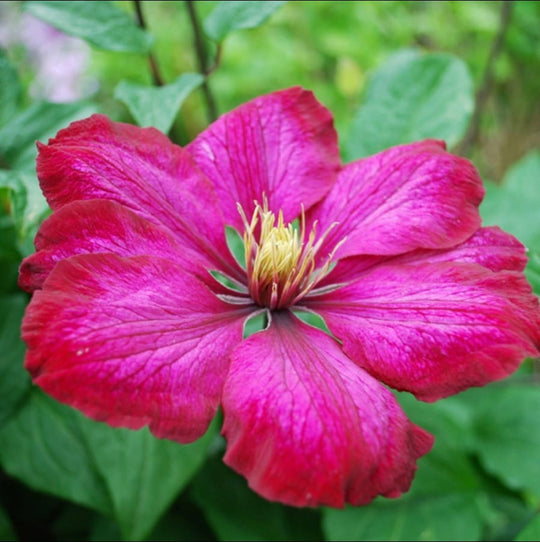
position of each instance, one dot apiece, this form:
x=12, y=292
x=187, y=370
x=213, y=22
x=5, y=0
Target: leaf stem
x=202, y=60
x=471, y=137
x=156, y=75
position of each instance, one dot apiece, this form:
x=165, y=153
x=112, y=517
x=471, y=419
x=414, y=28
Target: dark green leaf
x=43, y=446
x=6, y=529
x=183, y=522
x=10, y=255
x=104, y=529
x=14, y=381
x=515, y=204
x=128, y=475
x=242, y=514
x=99, y=23
x=229, y=16
x=10, y=89
x=157, y=107
x=412, y=97
x=39, y=122
x=9, y=270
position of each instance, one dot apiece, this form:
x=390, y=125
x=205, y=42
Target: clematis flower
x=139, y=306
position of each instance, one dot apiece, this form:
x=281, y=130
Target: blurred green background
x=332, y=48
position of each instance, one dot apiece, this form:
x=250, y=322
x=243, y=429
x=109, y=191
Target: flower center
x=280, y=262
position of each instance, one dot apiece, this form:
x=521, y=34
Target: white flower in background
x=58, y=62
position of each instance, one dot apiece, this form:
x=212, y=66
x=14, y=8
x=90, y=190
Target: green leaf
x=128, y=475
x=20, y=194
x=143, y=474
x=447, y=468
x=440, y=517
x=10, y=255
x=9, y=270
x=508, y=436
x=411, y=97
x=10, y=89
x=531, y=530
x=39, y=122
x=6, y=529
x=43, y=446
x=14, y=380
x=157, y=107
x=183, y=522
x=27, y=204
x=242, y=514
x=515, y=203
x=230, y=16
x=532, y=271
x=99, y=23
x=445, y=501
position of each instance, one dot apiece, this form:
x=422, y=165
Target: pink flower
x=128, y=325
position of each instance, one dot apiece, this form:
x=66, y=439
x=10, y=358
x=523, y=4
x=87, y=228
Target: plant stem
x=471, y=137
x=156, y=76
x=202, y=60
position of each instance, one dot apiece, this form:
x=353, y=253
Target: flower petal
x=98, y=226
x=434, y=329
x=307, y=427
x=282, y=145
x=140, y=168
x=132, y=341
x=405, y=198
x=490, y=247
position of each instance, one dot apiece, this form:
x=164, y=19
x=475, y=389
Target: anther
x=280, y=263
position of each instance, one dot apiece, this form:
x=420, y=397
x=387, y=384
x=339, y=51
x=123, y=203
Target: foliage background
x=391, y=72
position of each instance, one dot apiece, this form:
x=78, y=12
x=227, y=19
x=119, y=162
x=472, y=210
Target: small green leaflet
x=157, y=106
x=230, y=16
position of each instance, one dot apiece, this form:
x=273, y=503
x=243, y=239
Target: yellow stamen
x=280, y=265
x=278, y=251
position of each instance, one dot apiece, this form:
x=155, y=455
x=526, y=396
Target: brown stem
x=156, y=76
x=202, y=60
x=215, y=64
x=470, y=139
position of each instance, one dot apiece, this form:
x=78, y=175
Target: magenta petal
x=491, y=248
x=282, y=145
x=434, y=329
x=405, y=198
x=132, y=341
x=98, y=226
x=307, y=427
x=140, y=168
